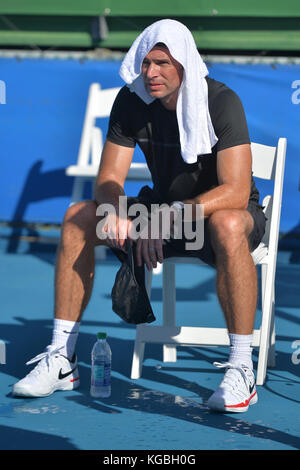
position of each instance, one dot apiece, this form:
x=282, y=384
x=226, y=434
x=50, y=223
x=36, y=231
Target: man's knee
x=229, y=229
x=82, y=212
x=80, y=219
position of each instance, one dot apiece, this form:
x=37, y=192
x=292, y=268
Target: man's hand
x=116, y=231
x=149, y=251
x=149, y=248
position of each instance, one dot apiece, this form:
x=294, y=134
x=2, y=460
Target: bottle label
x=101, y=375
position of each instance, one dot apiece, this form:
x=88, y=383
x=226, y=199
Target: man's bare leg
x=75, y=265
x=236, y=272
x=56, y=368
x=237, y=292
x=74, y=276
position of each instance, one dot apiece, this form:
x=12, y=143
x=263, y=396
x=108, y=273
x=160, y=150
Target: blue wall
x=41, y=123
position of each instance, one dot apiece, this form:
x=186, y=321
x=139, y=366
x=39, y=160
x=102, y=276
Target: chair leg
x=271, y=355
x=267, y=309
x=169, y=303
x=264, y=268
x=138, y=357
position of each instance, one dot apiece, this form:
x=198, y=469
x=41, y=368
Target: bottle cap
x=101, y=335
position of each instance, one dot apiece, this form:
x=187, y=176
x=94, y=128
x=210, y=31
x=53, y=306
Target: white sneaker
x=237, y=390
x=53, y=372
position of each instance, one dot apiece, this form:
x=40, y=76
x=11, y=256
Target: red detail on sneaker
x=243, y=404
x=74, y=380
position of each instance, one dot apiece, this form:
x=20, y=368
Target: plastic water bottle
x=101, y=368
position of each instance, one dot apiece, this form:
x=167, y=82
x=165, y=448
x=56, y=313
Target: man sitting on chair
x=193, y=132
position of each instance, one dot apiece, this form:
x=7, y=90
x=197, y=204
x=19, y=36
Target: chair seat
x=259, y=255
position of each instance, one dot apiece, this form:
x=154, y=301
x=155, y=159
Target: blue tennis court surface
x=166, y=407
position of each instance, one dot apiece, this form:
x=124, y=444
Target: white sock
x=240, y=349
x=65, y=333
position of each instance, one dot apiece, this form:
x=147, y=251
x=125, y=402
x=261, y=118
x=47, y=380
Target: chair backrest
x=268, y=163
x=99, y=105
x=263, y=161
x=101, y=100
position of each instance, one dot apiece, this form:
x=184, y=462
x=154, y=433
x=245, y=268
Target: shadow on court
x=13, y=438
x=129, y=395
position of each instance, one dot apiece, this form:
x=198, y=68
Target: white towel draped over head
x=196, y=132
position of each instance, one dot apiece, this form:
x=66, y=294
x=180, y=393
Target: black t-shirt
x=155, y=130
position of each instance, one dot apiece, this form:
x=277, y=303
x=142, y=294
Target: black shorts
x=176, y=247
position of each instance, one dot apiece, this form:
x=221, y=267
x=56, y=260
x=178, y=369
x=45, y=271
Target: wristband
x=179, y=205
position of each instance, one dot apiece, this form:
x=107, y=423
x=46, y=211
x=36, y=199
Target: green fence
x=215, y=24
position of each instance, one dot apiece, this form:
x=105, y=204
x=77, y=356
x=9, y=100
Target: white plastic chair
x=99, y=105
x=268, y=163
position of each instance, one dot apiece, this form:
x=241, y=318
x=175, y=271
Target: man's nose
x=152, y=70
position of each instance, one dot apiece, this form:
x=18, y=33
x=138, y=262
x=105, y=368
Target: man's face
x=162, y=76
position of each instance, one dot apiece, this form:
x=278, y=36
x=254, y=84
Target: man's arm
x=234, y=175
x=109, y=185
x=234, y=167
x=113, y=170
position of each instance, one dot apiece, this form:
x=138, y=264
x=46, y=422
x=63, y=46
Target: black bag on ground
x=129, y=296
